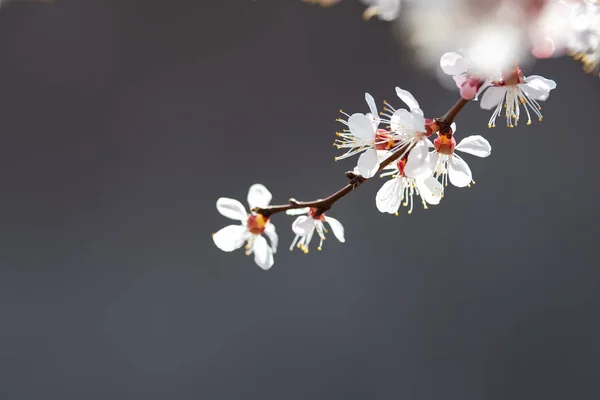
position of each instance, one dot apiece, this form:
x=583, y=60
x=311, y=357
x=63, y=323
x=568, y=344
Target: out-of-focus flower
x=387, y=10
x=305, y=226
x=512, y=91
x=460, y=69
x=250, y=229
x=584, y=43
x=401, y=189
x=492, y=33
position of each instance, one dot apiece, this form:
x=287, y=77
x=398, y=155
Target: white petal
x=459, y=172
x=231, y=208
x=453, y=64
x=231, y=237
x=368, y=163
x=537, y=87
x=476, y=145
x=492, y=97
x=371, y=104
x=361, y=126
x=298, y=211
x=336, y=227
x=407, y=98
x=430, y=190
x=401, y=120
x=272, y=235
x=303, y=225
x=453, y=127
x=418, y=120
x=547, y=82
x=418, y=164
x=534, y=92
x=263, y=254
x=259, y=196
x=388, y=197
x=481, y=89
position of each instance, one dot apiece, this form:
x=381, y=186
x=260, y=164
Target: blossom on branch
x=250, y=229
x=401, y=188
x=444, y=164
x=363, y=136
x=512, y=91
x=310, y=220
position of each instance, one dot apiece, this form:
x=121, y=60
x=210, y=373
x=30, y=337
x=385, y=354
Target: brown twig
x=325, y=204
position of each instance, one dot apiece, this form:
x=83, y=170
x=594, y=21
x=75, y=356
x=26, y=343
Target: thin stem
x=325, y=204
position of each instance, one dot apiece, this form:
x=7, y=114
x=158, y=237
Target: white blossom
x=444, y=164
x=512, y=91
x=250, y=228
x=363, y=136
x=309, y=222
x=401, y=189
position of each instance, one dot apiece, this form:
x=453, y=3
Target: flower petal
x=459, y=172
x=231, y=208
x=388, y=197
x=418, y=120
x=476, y=145
x=361, y=126
x=298, y=211
x=401, y=120
x=371, y=103
x=492, y=97
x=430, y=190
x=303, y=225
x=231, y=237
x=419, y=164
x=453, y=64
x=407, y=98
x=263, y=254
x=453, y=127
x=272, y=235
x=368, y=163
x=336, y=227
x=259, y=196
x=547, y=82
x=537, y=87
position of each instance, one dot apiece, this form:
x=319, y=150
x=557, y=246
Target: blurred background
x=123, y=121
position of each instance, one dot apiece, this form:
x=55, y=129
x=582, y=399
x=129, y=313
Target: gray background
x=123, y=121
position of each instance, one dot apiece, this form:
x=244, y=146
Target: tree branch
x=325, y=204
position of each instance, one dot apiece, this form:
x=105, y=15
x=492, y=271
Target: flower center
x=444, y=144
x=384, y=140
x=257, y=224
x=511, y=77
x=313, y=213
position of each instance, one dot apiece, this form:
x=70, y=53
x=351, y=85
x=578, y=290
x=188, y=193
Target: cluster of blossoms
x=417, y=154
